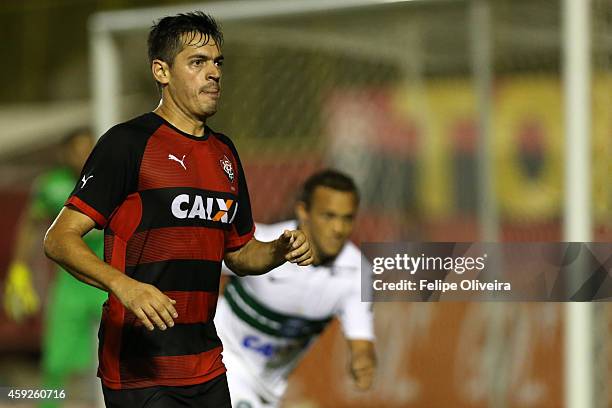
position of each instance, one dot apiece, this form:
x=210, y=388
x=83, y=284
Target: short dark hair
x=327, y=178
x=167, y=34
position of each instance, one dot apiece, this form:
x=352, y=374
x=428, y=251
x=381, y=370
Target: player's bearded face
x=196, y=77
x=329, y=220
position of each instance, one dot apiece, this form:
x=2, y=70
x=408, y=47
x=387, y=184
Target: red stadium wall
x=13, y=336
x=443, y=355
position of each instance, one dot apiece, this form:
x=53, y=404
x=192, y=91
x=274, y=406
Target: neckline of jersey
x=207, y=130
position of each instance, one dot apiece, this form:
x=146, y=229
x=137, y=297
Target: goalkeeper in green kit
x=73, y=308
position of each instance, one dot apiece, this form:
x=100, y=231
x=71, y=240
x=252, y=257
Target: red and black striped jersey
x=171, y=205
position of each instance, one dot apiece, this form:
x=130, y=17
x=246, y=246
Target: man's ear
x=301, y=212
x=161, y=71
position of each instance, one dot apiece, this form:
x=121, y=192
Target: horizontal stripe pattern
x=182, y=339
x=137, y=372
x=177, y=249
x=201, y=165
x=179, y=274
x=192, y=307
x=164, y=244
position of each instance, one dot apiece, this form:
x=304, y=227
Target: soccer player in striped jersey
x=267, y=323
x=172, y=198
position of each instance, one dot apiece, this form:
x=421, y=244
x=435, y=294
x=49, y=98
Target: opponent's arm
x=362, y=363
x=257, y=257
x=64, y=244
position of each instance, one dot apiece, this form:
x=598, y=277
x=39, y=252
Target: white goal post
x=105, y=63
x=105, y=68
x=577, y=226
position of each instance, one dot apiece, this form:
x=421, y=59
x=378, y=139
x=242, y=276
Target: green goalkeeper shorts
x=73, y=315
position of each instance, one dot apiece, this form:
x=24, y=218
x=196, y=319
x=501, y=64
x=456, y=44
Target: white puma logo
x=84, y=180
x=173, y=157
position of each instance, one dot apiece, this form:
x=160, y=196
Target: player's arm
x=64, y=244
x=257, y=257
x=362, y=363
x=357, y=319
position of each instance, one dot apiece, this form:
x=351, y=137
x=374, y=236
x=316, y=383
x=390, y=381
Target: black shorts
x=211, y=394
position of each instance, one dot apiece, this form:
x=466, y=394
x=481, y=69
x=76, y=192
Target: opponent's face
x=194, y=78
x=329, y=220
x=77, y=151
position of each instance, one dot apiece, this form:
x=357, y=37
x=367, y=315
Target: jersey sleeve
x=109, y=175
x=356, y=317
x=243, y=227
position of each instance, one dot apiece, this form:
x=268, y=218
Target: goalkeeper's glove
x=20, y=298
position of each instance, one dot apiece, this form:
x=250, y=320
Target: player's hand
x=295, y=248
x=20, y=298
x=148, y=303
x=363, y=368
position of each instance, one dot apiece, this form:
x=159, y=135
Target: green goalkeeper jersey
x=50, y=193
x=73, y=308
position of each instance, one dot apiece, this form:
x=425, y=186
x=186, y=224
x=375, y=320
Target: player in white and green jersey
x=266, y=323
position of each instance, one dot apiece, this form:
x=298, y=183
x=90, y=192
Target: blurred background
x=450, y=115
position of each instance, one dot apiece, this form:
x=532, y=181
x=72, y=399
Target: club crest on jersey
x=226, y=164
